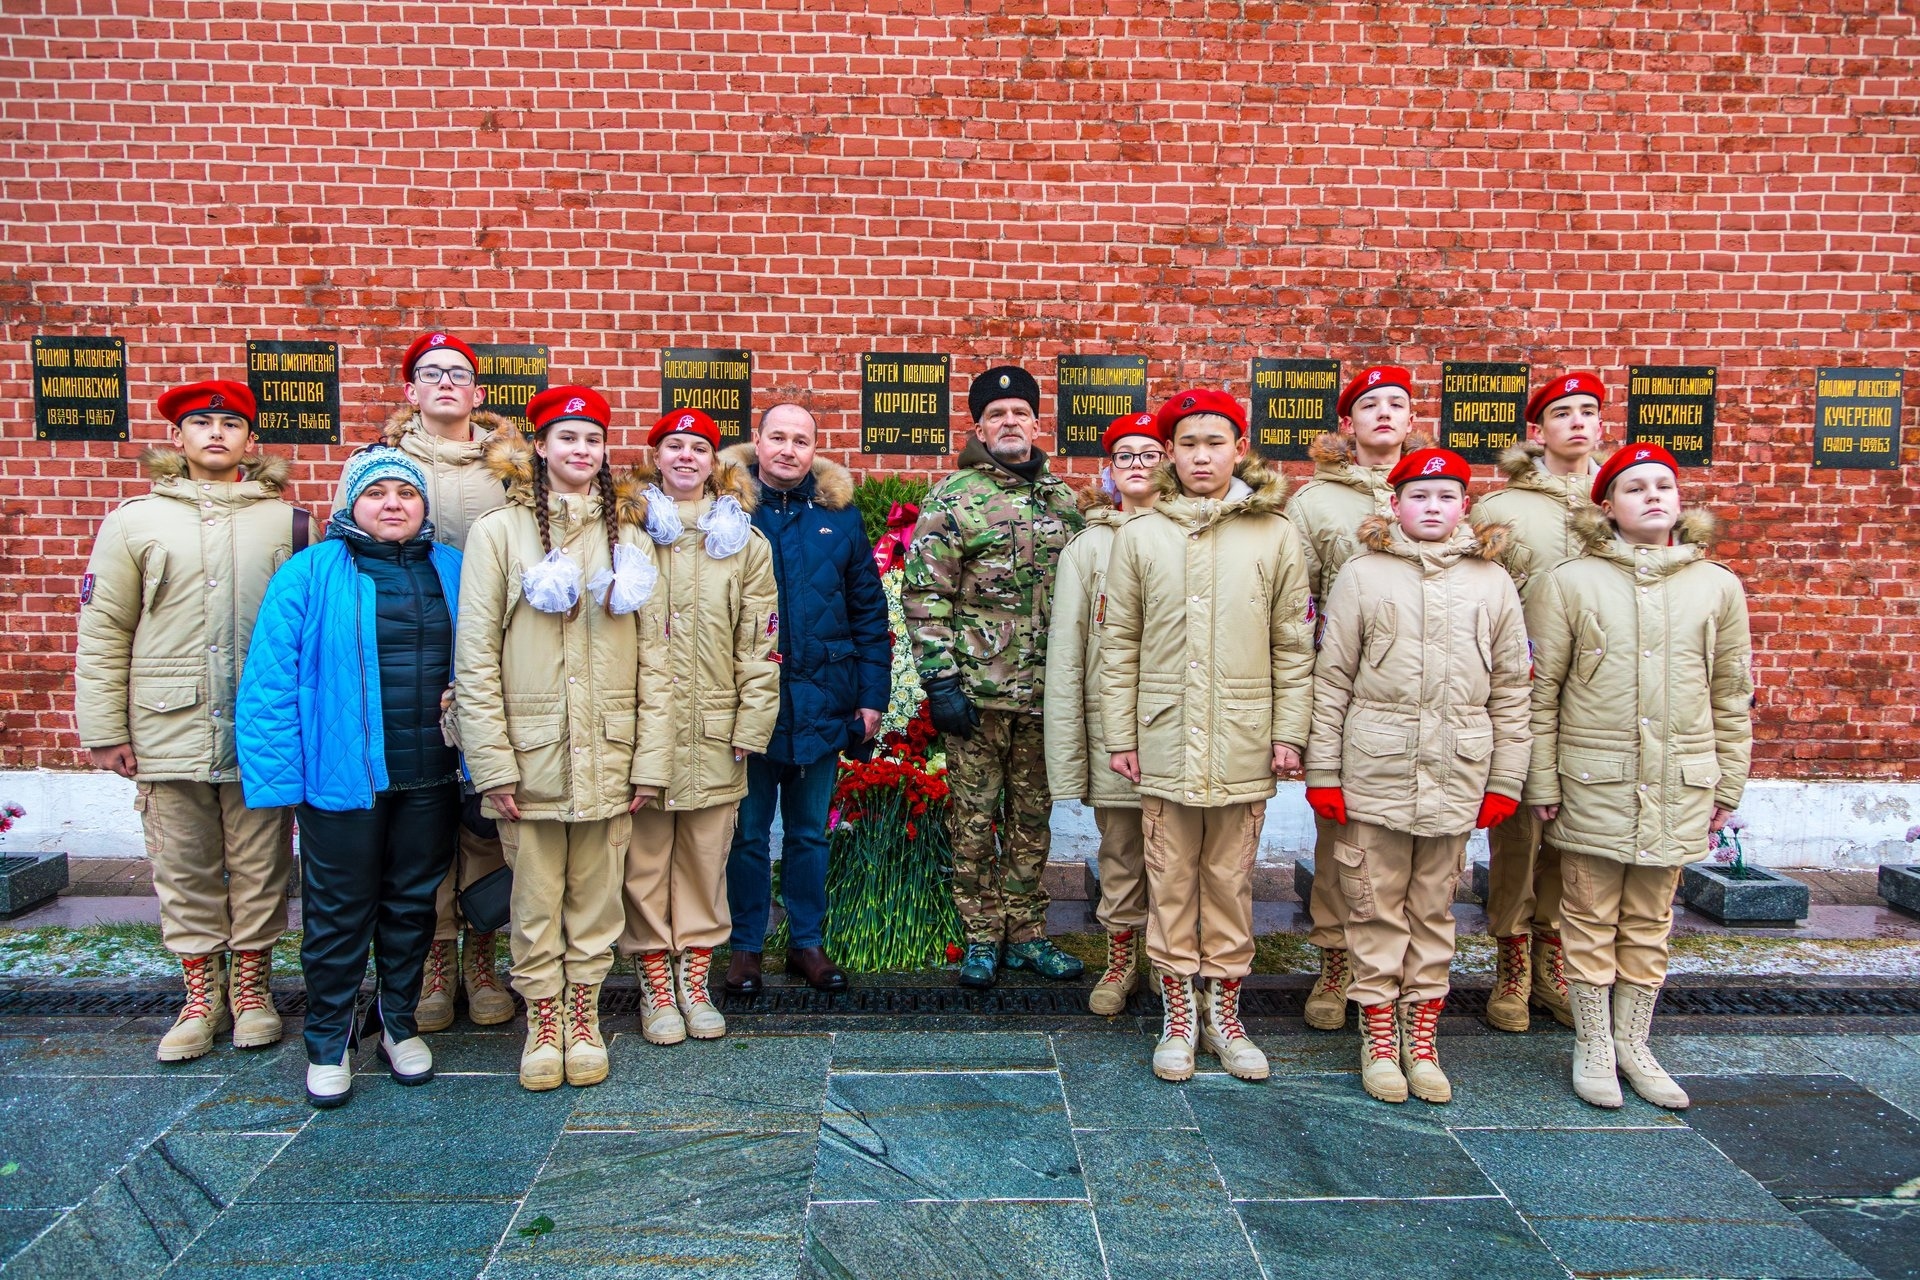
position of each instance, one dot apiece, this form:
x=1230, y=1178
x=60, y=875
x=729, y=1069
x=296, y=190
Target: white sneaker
x=408, y=1061
x=329, y=1086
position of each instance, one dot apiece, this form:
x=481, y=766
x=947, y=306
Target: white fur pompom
x=663, y=517
x=631, y=579
x=727, y=525
x=553, y=585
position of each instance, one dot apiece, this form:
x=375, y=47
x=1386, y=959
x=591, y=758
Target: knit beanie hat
x=379, y=462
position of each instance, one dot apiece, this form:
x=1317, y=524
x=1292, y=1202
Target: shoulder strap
x=302, y=529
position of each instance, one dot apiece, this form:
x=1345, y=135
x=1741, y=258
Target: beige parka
x=1328, y=509
x=1077, y=752
x=548, y=703
x=1206, y=653
x=167, y=610
x=1540, y=508
x=1642, y=695
x=461, y=486
x=715, y=624
x=1420, y=690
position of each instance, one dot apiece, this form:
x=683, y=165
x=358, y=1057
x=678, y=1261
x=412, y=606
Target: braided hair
x=610, y=514
x=540, y=502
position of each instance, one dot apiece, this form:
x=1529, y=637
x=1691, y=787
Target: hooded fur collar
x=832, y=483
x=729, y=478
x=509, y=459
x=1695, y=528
x=405, y=418
x=269, y=471
x=1523, y=469
x=1491, y=542
x=1268, y=496
x=1332, y=451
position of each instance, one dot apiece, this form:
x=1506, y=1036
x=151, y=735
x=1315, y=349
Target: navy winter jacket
x=834, y=651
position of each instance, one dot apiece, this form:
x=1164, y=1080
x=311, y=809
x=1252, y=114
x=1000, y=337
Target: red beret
x=1200, y=400
x=1425, y=464
x=1631, y=455
x=207, y=397
x=691, y=421
x=1380, y=375
x=1129, y=424
x=431, y=342
x=1567, y=384
x=556, y=404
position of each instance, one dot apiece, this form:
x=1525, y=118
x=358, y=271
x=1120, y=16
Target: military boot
x=690, y=975
x=1632, y=1024
x=488, y=1003
x=1045, y=959
x=1420, y=1054
x=1179, y=1029
x=1327, y=1002
x=1593, y=1065
x=1380, y=1072
x=1512, y=983
x=1550, y=978
x=1109, y=995
x=978, y=968
x=1222, y=1035
x=203, y=1016
x=543, y=1063
x=435, y=1010
x=660, y=1020
x=586, y=1050
x=256, y=1023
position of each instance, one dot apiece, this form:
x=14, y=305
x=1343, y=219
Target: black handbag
x=487, y=903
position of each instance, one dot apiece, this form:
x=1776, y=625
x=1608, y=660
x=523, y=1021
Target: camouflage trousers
x=999, y=779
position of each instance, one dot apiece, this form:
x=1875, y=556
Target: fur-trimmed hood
x=730, y=479
x=1332, y=454
x=509, y=459
x=1267, y=496
x=488, y=426
x=1098, y=508
x=1490, y=542
x=832, y=483
x=1696, y=529
x=1523, y=468
x=270, y=471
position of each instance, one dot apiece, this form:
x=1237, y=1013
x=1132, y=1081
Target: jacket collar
x=1525, y=467
x=262, y=475
x=976, y=458
x=829, y=485
x=1489, y=542
x=1693, y=536
x=405, y=429
x=1256, y=490
x=1333, y=461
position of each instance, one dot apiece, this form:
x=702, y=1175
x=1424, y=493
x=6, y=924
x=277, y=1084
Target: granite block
x=27, y=880
x=343, y=1239
x=1477, y=1239
x=743, y=1083
x=18, y=1227
x=1816, y=1135
x=1480, y=873
x=1887, y=1065
x=66, y=1136
x=1109, y=1082
x=1303, y=882
x=1525, y=1082
x=1161, y=1207
x=109, y=1054
x=1762, y=897
x=1711, y=1054
x=941, y=1051
x=1881, y=1235
x=1899, y=885
x=1007, y=1240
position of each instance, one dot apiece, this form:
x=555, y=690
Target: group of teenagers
x=501, y=652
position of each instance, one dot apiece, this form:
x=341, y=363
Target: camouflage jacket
x=979, y=579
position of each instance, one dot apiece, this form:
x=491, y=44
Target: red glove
x=1329, y=803
x=1495, y=809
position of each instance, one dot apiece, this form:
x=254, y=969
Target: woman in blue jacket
x=339, y=713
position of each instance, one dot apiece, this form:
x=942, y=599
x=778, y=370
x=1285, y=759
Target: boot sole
x=492, y=1020
x=1384, y=1095
x=706, y=1035
x=1326, y=1022
x=662, y=1037
x=543, y=1084
x=1011, y=963
x=1517, y=1023
x=978, y=984
x=1562, y=1016
x=1209, y=1048
x=1172, y=1076
x=1435, y=1098
x=585, y=1079
x=182, y=1055
x=258, y=1042
x=1611, y=1103
x=1646, y=1095
x=1107, y=1004
x=328, y=1101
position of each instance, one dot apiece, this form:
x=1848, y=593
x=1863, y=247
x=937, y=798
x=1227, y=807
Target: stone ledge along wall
x=1719, y=182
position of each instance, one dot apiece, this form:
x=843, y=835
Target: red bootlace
x=581, y=1010
x=1556, y=962
x=250, y=969
x=656, y=970
x=480, y=949
x=1119, y=956
x=546, y=1023
x=1226, y=1010
x=1377, y=1025
x=1420, y=1030
x=198, y=974
x=699, y=961
x=1175, y=996
x=435, y=981
x=1513, y=961
x=1333, y=971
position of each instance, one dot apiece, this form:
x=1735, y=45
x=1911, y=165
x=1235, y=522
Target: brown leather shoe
x=812, y=964
x=743, y=974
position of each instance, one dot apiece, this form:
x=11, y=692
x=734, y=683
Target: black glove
x=951, y=710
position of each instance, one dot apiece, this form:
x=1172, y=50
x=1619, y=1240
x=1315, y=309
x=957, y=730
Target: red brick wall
x=1716, y=181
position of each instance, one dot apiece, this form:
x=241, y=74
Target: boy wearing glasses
x=443, y=429
x=1076, y=748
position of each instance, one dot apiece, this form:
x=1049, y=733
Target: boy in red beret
x=1419, y=736
x=166, y=611
x=1548, y=477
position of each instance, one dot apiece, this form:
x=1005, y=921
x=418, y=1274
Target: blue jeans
x=804, y=793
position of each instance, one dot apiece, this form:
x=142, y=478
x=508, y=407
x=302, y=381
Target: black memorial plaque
x=1483, y=408
x=1089, y=393
x=718, y=383
x=1856, y=417
x=1672, y=405
x=1294, y=401
x=296, y=387
x=513, y=373
x=79, y=388
x=903, y=402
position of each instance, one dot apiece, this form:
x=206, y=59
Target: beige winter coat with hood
x=461, y=486
x=1077, y=752
x=1642, y=695
x=1206, y=655
x=548, y=703
x=1328, y=509
x=1540, y=507
x=172, y=589
x=715, y=624
x=1420, y=690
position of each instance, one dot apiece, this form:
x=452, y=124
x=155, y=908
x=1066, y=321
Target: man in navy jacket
x=835, y=679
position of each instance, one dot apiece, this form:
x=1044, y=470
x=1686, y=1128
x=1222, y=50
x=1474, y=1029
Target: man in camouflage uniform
x=978, y=585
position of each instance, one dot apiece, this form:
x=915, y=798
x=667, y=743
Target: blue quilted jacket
x=308, y=720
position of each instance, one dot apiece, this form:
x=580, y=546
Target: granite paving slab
x=63, y=1138
x=1476, y=1239
x=1004, y=1240
x=111, y=1055
x=1109, y=1083
x=18, y=1227
x=1161, y=1206
x=942, y=1051
x=1819, y=1135
x=450, y=1240
x=1881, y=1235
x=1885, y=1064
x=1525, y=1082
x=1708, y=1055
x=753, y=1084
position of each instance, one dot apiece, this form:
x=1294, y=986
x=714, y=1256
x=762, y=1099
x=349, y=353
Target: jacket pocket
x=165, y=726
x=1584, y=765
x=540, y=753
x=1381, y=631
x=1473, y=746
x=1700, y=771
x=153, y=576
x=1590, y=646
x=1159, y=719
x=1350, y=863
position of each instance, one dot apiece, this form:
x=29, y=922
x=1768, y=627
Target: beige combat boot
x=488, y=1003
x=1327, y=1002
x=690, y=974
x=1420, y=1052
x=256, y=1023
x=203, y=1016
x=1593, y=1068
x=1223, y=1036
x=1109, y=995
x=1512, y=984
x=434, y=1012
x=543, y=1062
x=1179, y=1029
x=1550, y=978
x=1380, y=1072
x=660, y=1020
x=1632, y=1024
x=586, y=1050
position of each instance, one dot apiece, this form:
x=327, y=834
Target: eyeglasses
x=433, y=374
x=1128, y=461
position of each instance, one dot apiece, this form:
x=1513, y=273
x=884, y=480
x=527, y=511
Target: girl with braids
x=715, y=695
x=546, y=682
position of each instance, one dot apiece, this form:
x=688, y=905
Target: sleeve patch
x=86, y=588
